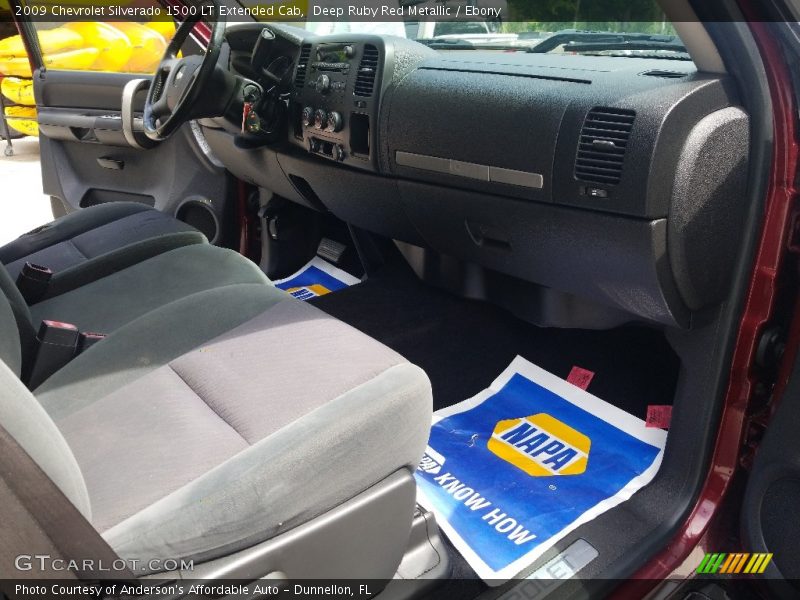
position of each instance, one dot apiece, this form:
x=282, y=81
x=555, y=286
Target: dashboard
x=579, y=190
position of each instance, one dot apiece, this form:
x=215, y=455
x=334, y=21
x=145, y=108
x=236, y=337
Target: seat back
x=19, y=335
x=10, y=349
x=26, y=421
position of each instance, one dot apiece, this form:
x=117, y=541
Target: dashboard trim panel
x=470, y=170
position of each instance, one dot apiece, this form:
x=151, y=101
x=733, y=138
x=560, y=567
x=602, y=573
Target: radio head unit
x=336, y=91
x=339, y=54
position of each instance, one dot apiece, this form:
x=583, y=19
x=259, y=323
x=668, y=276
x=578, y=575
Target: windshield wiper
x=574, y=40
x=447, y=44
x=647, y=55
x=600, y=46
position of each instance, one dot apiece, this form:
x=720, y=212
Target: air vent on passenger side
x=602, y=145
x=302, y=66
x=367, y=68
x=664, y=74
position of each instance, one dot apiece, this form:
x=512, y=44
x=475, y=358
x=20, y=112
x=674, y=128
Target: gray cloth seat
x=123, y=232
x=109, y=302
x=105, y=304
x=254, y=413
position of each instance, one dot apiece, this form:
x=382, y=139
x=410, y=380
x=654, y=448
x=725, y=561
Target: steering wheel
x=178, y=82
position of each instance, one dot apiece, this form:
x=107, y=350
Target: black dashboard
x=611, y=185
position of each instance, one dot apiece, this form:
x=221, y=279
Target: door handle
x=133, y=87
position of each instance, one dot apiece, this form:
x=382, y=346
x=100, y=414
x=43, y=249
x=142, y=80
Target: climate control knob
x=320, y=119
x=308, y=116
x=323, y=84
x=335, y=122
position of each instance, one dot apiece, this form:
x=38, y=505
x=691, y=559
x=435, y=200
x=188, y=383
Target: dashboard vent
x=302, y=66
x=367, y=68
x=664, y=74
x=602, y=145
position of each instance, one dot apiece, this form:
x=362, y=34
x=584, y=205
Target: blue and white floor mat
x=514, y=469
x=316, y=278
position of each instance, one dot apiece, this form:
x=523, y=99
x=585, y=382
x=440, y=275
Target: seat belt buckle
x=57, y=344
x=87, y=339
x=33, y=282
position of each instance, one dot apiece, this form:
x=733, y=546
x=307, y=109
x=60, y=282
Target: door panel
x=769, y=511
x=86, y=159
x=73, y=89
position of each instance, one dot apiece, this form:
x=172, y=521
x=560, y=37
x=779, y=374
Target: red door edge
x=202, y=30
x=757, y=311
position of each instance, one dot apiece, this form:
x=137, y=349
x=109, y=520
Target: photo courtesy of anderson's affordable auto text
x=399, y=299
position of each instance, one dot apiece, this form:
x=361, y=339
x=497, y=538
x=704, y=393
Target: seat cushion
x=242, y=438
x=108, y=303
x=91, y=233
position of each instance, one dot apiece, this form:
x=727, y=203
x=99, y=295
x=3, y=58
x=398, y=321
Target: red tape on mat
x=580, y=377
x=658, y=415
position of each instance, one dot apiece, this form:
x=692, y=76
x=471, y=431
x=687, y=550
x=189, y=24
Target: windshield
x=639, y=30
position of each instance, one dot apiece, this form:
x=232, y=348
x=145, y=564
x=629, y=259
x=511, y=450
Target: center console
x=335, y=99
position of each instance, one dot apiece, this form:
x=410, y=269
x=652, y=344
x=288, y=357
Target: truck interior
x=597, y=206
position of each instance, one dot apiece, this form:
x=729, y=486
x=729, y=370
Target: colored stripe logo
x=734, y=563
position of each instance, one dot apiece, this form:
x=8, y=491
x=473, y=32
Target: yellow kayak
x=79, y=60
x=148, y=47
x=15, y=67
x=114, y=48
x=165, y=28
x=51, y=41
x=23, y=119
x=19, y=91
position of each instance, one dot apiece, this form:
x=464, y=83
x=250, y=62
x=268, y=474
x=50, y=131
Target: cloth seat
x=105, y=304
x=126, y=231
x=109, y=302
x=251, y=414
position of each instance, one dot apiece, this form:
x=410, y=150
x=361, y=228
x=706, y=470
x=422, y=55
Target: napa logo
x=306, y=292
x=541, y=445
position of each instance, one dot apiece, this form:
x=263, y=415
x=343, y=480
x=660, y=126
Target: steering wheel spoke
x=167, y=65
x=178, y=82
x=160, y=107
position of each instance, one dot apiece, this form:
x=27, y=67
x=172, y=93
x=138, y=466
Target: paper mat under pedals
x=317, y=278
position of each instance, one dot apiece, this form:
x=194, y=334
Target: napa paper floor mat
x=316, y=278
x=514, y=469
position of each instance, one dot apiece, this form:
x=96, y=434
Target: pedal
x=331, y=250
